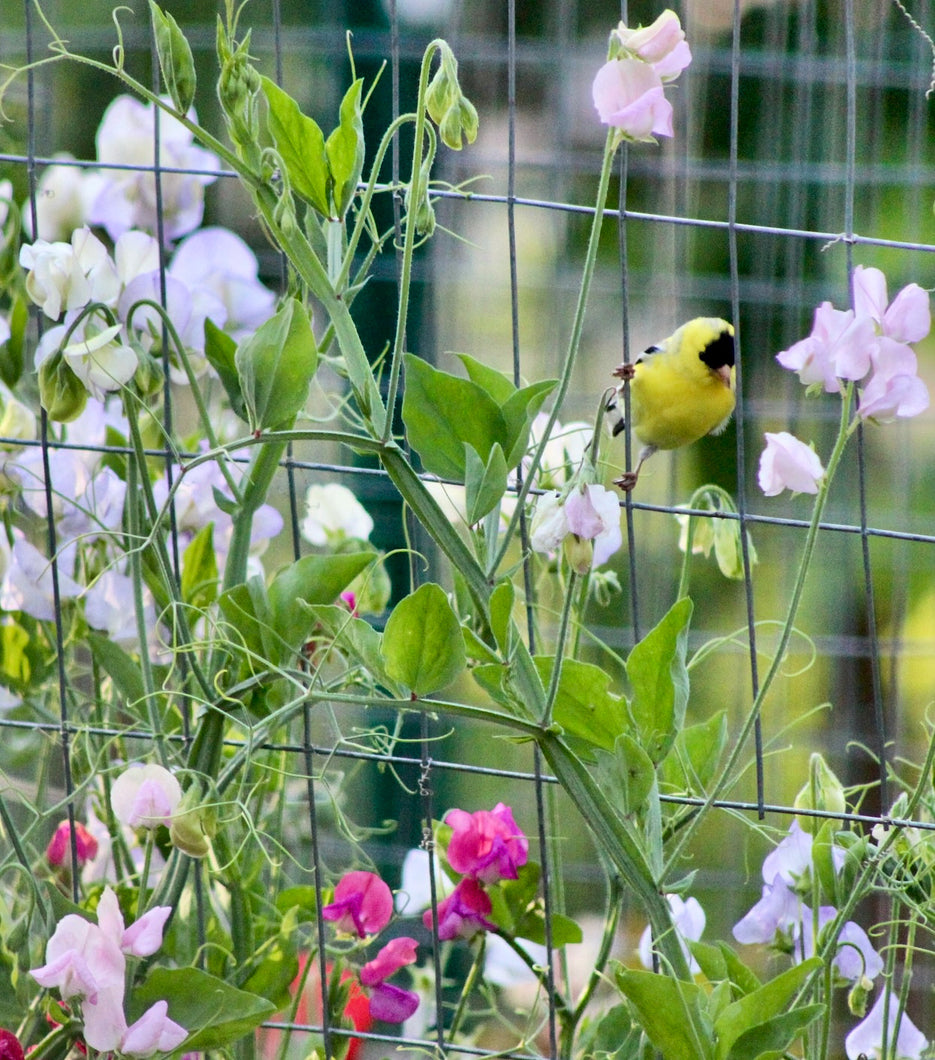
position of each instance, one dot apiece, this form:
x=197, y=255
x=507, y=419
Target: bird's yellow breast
x=675, y=402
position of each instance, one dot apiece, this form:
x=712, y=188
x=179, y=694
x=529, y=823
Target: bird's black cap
x=719, y=352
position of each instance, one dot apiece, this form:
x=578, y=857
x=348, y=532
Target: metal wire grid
x=842, y=64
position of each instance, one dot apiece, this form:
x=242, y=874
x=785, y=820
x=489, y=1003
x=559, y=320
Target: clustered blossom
x=484, y=847
x=87, y=962
x=782, y=920
x=362, y=907
x=585, y=520
x=868, y=345
x=628, y=90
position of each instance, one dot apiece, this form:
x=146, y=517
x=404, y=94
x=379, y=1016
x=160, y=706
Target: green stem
x=726, y=776
x=409, y=239
x=556, y=675
x=574, y=343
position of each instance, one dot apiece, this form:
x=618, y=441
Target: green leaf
x=584, y=706
x=275, y=366
x=671, y=1013
x=758, y=1008
x=11, y=353
x=443, y=413
x=659, y=680
x=771, y=1039
x=200, y=569
x=302, y=898
x=175, y=58
x=301, y=146
x=274, y=972
x=626, y=775
x=309, y=581
x=220, y=349
x=501, y=614
x=344, y=150
x=422, y=642
x=692, y=763
x=518, y=414
x=215, y=1013
x=119, y=666
x=719, y=963
x=356, y=639
x=246, y=608
x=485, y=484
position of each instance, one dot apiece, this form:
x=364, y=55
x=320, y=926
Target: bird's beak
x=726, y=374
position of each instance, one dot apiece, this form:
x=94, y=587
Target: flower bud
x=61, y=392
x=59, y=849
x=175, y=58
x=858, y=995
x=468, y=114
x=17, y=421
x=579, y=552
x=194, y=824
x=822, y=792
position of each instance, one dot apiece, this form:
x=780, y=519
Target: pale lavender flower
x=904, y=1041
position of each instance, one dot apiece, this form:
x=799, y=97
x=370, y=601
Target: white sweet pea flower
x=135, y=254
x=101, y=361
x=334, y=514
x=109, y=606
x=63, y=276
x=689, y=919
x=63, y=196
x=127, y=197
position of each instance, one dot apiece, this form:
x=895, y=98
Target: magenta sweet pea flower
x=10, y=1048
x=362, y=906
x=487, y=845
x=389, y=1003
x=463, y=913
x=788, y=464
x=59, y=848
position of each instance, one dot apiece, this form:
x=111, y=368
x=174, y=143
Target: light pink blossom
x=839, y=347
x=145, y=796
x=153, y=1033
x=788, y=464
x=628, y=96
x=662, y=44
x=906, y=319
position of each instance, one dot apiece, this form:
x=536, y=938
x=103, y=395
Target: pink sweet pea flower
x=662, y=44
x=362, y=906
x=463, y=913
x=839, y=347
x=59, y=848
x=904, y=1040
x=788, y=464
x=906, y=319
x=152, y=1033
x=895, y=390
x=628, y=96
x=593, y=514
x=487, y=845
x=145, y=796
x=389, y=1003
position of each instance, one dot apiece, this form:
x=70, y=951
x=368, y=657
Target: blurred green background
x=670, y=260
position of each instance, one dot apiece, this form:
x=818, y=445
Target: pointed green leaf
x=355, y=638
x=484, y=485
x=11, y=352
x=518, y=414
x=659, y=680
x=693, y=761
x=200, y=569
x=495, y=383
x=626, y=775
x=670, y=1011
x=246, y=608
x=275, y=366
x=422, y=642
x=120, y=667
x=345, y=151
x=501, y=614
x=772, y=1039
x=310, y=580
x=216, y=1012
x=220, y=349
x=759, y=1007
x=584, y=706
x=442, y=413
x=175, y=58
x=301, y=146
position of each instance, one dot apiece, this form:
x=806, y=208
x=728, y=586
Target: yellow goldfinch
x=680, y=390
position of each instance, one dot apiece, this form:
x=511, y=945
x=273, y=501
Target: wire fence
x=803, y=147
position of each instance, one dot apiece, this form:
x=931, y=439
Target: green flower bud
x=193, y=825
x=175, y=58
x=17, y=421
x=440, y=96
x=579, y=551
x=238, y=90
x=858, y=995
x=822, y=792
x=468, y=115
x=61, y=392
